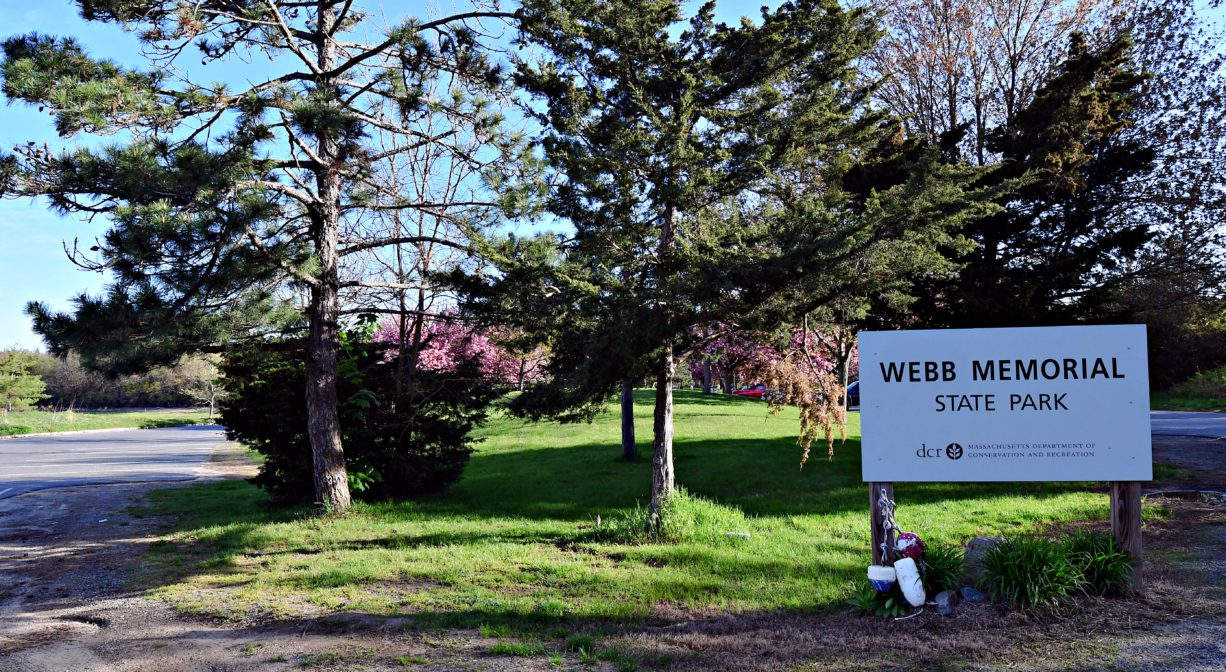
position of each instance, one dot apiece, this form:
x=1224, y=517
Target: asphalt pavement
x=104, y=457
x=1188, y=423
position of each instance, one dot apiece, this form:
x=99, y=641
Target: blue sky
x=33, y=265
x=32, y=261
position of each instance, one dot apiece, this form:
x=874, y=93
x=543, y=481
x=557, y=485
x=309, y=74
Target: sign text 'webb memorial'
x=1027, y=404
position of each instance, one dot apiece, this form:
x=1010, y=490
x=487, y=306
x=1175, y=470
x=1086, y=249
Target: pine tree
x=967, y=71
x=20, y=388
x=716, y=177
x=1061, y=239
x=226, y=205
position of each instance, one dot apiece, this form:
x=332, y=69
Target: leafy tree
x=201, y=382
x=237, y=213
x=1174, y=284
x=726, y=358
x=714, y=175
x=962, y=68
x=70, y=385
x=802, y=376
x=20, y=388
x=450, y=340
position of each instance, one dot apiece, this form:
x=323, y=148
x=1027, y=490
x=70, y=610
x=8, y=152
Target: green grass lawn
x=33, y=422
x=516, y=540
x=1172, y=401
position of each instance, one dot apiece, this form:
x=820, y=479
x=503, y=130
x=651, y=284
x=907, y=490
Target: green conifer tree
x=1064, y=237
x=234, y=211
x=717, y=177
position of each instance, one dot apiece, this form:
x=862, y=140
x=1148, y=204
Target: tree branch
x=392, y=41
x=358, y=246
x=280, y=262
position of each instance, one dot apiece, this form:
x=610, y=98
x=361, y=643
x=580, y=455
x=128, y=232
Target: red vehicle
x=753, y=391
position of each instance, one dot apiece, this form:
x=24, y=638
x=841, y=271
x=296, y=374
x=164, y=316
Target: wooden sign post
x=876, y=517
x=1126, y=525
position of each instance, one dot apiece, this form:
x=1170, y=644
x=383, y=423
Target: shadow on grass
x=759, y=476
x=695, y=397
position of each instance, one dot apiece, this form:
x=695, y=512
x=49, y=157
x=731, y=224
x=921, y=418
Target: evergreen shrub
x=398, y=444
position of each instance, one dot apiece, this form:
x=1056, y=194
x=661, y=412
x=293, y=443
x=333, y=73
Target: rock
x=945, y=601
x=971, y=595
x=975, y=550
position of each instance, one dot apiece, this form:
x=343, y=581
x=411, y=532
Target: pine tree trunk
x=662, y=477
x=706, y=377
x=629, y=449
x=662, y=480
x=323, y=425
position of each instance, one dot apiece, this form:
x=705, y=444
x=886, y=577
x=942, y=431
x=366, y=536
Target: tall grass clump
x=943, y=566
x=1033, y=572
x=1105, y=567
x=683, y=518
x=1029, y=573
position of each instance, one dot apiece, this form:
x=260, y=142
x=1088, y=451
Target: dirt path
x=66, y=557
x=1204, y=457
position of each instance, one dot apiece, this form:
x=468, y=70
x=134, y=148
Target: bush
x=71, y=385
x=1105, y=567
x=1031, y=572
x=1206, y=384
x=397, y=444
x=942, y=566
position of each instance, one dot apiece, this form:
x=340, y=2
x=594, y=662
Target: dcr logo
x=953, y=451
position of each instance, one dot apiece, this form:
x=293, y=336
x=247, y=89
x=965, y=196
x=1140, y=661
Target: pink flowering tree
x=442, y=343
x=812, y=375
x=727, y=358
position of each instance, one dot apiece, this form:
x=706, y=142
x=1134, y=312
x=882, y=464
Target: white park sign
x=1028, y=404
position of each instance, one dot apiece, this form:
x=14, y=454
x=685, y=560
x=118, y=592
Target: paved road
x=1188, y=423
x=112, y=456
